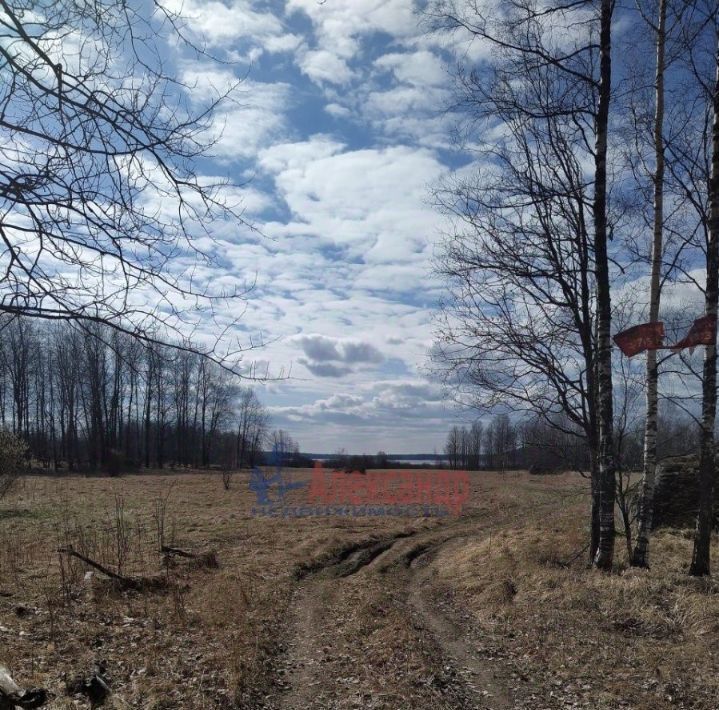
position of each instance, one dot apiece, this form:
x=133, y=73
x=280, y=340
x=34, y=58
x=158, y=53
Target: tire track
x=403, y=565
x=485, y=683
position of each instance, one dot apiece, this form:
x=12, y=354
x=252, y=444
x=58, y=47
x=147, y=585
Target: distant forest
x=91, y=398
x=540, y=446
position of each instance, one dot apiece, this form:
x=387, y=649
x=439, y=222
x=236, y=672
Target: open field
x=493, y=609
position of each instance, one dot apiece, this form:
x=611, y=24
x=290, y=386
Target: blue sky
x=338, y=132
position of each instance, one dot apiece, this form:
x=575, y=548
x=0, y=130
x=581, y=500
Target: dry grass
x=204, y=642
x=640, y=639
x=636, y=638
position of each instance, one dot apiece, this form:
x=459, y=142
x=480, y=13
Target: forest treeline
x=91, y=398
x=538, y=446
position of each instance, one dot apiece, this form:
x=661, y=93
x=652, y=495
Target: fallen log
x=13, y=696
x=100, y=568
x=137, y=584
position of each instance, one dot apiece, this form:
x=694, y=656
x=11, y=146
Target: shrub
x=13, y=452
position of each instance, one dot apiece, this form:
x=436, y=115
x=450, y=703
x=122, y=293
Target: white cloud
x=252, y=118
x=339, y=27
x=421, y=68
x=323, y=66
x=404, y=100
x=337, y=110
x=295, y=156
x=223, y=24
x=283, y=43
x=394, y=415
x=339, y=23
x=372, y=202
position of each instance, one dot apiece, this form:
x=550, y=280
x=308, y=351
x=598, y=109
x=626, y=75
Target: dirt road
x=371, y=628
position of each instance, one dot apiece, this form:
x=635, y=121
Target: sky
x=338, y=133
x=336, y=130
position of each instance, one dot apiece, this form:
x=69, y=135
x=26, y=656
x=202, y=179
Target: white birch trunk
x=640, y=556
x=701, y=565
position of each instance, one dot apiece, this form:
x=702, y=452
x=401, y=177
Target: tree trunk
x=700, y=565
x=596, y=498
x=605, y=551
x=640, y=555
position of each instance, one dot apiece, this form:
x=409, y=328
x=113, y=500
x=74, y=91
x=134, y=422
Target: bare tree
x=528, y=319
x=640, y=554
x=214, y=395
x=693, y=172
x=700, y=564
x=501, y=441
x=98, y=190
x=452, y=447
x=284, y=447
x=252, y=421
x=547, y=448
x=12, y=460
x=475, y=437
x=604, y=555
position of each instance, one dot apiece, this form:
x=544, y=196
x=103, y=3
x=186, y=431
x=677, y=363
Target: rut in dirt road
x=484, y=682
x=302, y=664
x=312, y=623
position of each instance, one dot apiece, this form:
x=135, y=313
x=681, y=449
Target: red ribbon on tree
x=647, y=336
x=702, y=332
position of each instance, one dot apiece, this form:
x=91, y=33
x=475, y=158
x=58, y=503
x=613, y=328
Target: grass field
x=495, y=608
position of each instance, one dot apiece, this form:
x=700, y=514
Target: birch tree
x=640, y=554
x=607, y=469
x=701, y=563
x=529, y=263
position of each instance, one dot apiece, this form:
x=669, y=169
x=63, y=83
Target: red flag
x=647, y=336
x=702, y=332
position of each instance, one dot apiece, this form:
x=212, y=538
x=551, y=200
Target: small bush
x=13, y=452
x=116, y=463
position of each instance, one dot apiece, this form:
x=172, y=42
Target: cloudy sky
x=339, y=131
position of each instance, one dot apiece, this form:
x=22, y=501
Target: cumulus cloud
x=221, y=24
x=330, y=357
x=337, y=110
x=253, y=118
x=339, y=24
x=318, y=347
x=323, y=66
x=372, y=202
x=325, y=369
x=420, y=68
x=395, y=415
x=361, y=352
